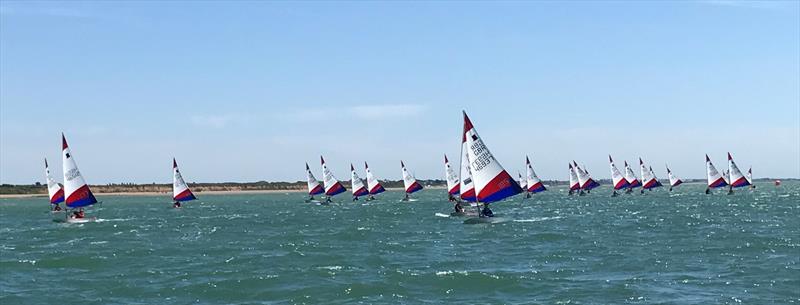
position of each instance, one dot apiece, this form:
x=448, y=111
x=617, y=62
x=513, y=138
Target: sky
x=250, y=91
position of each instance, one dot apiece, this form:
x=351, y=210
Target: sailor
x=486, y=212
x=406, y=197
x=176, y=204
x=458, y=207
x=57, y=207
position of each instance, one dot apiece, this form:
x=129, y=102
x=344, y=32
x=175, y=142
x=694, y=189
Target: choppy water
x=667, y=248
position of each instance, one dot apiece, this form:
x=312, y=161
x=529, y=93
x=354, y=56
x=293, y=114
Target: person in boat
x=176, y=204
x=486, y=212
x=406, y=198
x=77, y=214
x=57, y=208
x=355, y=198
x=458, y=207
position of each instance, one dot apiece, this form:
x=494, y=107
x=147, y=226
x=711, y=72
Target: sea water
x=680, y=247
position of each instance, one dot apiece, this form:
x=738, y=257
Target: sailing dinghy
x=314, y=188
x=332, y=186
x=736, y=178
x=617, y=178
x=453, y=185
x=750, y=177
x=492, y=182
x=673, y=180
x=584, y=179
x=409, y=182
x=373, y=184
x=532, y=182
x=358, y=186
x=523, y=184
x=180, y=190
x=633, y=182
x=714, y=178
x=649, y=179
x=574, y=185
x=54, y=190
x=77, y=192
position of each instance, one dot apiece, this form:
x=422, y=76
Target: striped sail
x=533, y=183
x=492, y=182
x=409, y=182
x=76, y=190
x=574, y=184
x=373, y=185
x=584, y=179
x=750, y=175
x=617, y=178
x=737, y=179
x=180, y=190
x=453, y=185
x=633, y=182
x=649, y=179
x=54, y=190
x=523, y=184
x=314, y=188
x=358, y=186
x=466, y=186
x=673, y=180
x=332, y=186
x=715, y=179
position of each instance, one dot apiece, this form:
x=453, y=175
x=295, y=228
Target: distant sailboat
x=523, y=184
x=54, y=190
x=358, y=186
x=574, y=184
x=180, y=190
x=409, y=182
x=633, y=182
x=492, y=182
x=673, y=180
x=585, y=180
x=453, y=184
x=714, y=178
x=77, y=192
x=314, y=187
x=332, y=186
x=373, y=184
x=617, y=178
x=750, y=177
x=532, y=182
x=466, y=185
x=648, y=177
x=736, y=179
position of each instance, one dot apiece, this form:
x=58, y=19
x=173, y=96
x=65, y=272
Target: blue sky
x=248, y=91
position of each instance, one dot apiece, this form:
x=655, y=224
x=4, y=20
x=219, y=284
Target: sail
x=584, y=179
x=453, y=185
x=54, y=190
x=617, y=178
x=332, y=186
x=750, y=175
x=314, y=188
x=533, y=183
x=358, y=186
x=76, y=190
x=715, y=179
x=673, y=180
x=373, y=185
x=492, y=182
x=633, y=182
x=574, y=184
x=466, y=186
x=409, y=182
x=648, y=177
x=737, y=179
x=180, y=191
x=523, y=184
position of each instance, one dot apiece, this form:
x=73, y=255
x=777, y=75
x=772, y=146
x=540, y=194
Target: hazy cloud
x=376, y=112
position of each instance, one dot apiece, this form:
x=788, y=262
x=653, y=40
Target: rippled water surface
x=682, y=247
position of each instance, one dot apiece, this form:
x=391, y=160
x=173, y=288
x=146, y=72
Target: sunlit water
x=683, y=247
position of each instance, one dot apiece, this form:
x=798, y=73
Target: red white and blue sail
x=358, y=186
x=76, y=190
x=750, y=175
x=633, y=182
x=314, y=187
x=523, y=184
x=453, y=185
x=574, y=184
x=617, y=178
x=492, y=182
x=737, y=179
x=373, y=185
x=180, y=190
x=466, y=185
x=715, y=179
x=585, y=180
x=648, y=177
x=673, y=180
x=409, y=182
x=54, y=190
x=532, y=181
x=332, y=185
